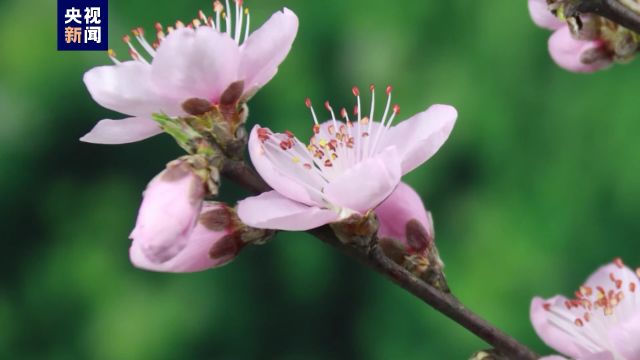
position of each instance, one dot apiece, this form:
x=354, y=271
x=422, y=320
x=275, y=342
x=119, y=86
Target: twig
x=374, y=258
x=610, y=9
x=245, y=176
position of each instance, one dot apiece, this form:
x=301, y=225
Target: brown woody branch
x=613, y=10
x=374, y=258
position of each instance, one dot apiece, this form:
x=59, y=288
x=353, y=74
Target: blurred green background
x=537, y=186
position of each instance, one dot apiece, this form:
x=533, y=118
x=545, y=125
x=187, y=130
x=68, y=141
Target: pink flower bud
x=402, y=216
x=212, y=243
x=170, y=208
x=577, y=55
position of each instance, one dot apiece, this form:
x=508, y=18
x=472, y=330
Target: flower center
x=595, y=311
x=335, y=145
x=231, y=22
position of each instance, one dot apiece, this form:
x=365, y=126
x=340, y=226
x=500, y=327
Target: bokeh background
x=537, y=186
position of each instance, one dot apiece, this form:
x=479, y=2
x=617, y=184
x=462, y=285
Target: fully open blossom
x=347, y=168
x=197, y=61
x=399, y=212
x=601, y=323
x=210, y=244
x=169, y=211
x=568, y=51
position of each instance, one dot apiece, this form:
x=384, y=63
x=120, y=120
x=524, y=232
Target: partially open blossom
x=347, y=168
x=406, y=235
x=570, y=51
x=211, y=244
x=602, y=322
x=169, y=211
x=400, y=213
x=197, y=61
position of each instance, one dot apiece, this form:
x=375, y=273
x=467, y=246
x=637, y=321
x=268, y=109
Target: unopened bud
x=403, y=217
x=405, y=223
x=212, y=243
x=170, y=208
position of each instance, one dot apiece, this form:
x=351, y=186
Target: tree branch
x=610, y=9
x=374, y=258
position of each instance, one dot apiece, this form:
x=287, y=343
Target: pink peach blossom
x=601, y=323
x=347, y=168
x=196, y=61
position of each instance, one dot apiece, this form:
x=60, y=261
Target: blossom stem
x=613, y=10
x=373, y=257
x=245, y=176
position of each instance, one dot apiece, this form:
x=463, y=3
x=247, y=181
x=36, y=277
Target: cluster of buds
x=178, y=231
x=617, y=42
x=215, y=130
x=582, y=42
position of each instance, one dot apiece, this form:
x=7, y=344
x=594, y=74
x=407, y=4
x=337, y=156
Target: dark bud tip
x=226, y=248
x=176, y=170
x=232, y=94
x=418, y=239
x=195, y=106
x=218, y=219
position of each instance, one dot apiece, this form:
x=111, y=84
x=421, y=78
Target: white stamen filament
x=233, y=27
x=382, y=121
x=145, y=45
x=246, y=30
x=358, y=145
x=217, y=23
x=112, y=56
x=133, y=51
x=333, y=148
x=371, y=113
x=302, y=155
x=238, y=25
x=227, y=17
x=313, y=113
x=333, y=115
